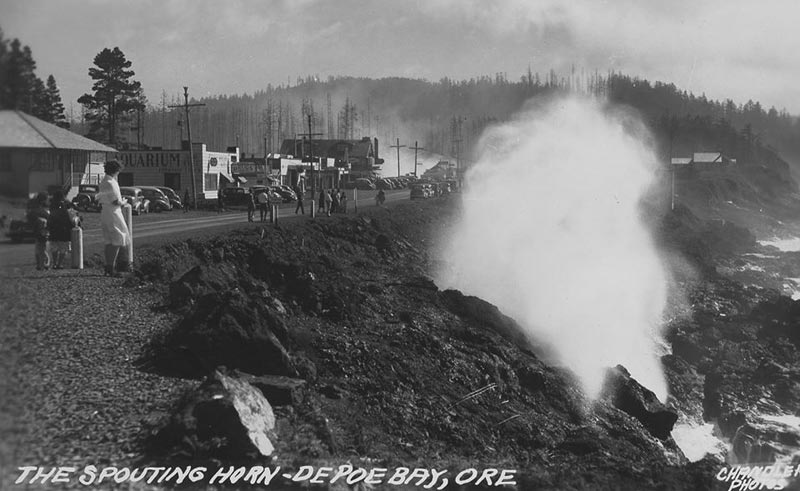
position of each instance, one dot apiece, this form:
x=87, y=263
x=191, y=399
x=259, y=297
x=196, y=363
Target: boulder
x=484, y=314
x=626, y=394
x=225, y=418
x=222, y=329
x=279, y=390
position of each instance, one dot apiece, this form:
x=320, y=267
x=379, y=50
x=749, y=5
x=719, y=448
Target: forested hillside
x=448, y=116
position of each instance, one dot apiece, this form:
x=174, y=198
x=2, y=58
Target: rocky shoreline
x=369, y=362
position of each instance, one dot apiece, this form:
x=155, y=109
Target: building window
x=211, y=182
x=212, y=161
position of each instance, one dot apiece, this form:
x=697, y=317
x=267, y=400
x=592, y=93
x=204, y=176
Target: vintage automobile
x=134, y=196
x=174, y=198
x=421, y=191
x=158, y=200
x=274, y=197
x=287, y=195
x=235, y=196
x=86, y=200
x=24, y=229
x=384, y=184
x=364, y=184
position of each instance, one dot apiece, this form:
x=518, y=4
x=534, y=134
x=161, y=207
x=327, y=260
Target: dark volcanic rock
x=225, y=418
x=228, y=330
x=626, y=394
x=484, y=314
x=279, y=390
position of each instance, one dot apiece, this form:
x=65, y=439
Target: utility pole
x=416, y=149
x=186, y=107
x=310, y=136
x=398, y=147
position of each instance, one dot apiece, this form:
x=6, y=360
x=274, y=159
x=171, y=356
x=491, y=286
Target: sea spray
x=551, y=232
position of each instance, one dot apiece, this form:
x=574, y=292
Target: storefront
x=171, y=168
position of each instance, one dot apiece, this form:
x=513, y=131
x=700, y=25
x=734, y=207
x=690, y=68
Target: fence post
x=127, y=212
x=76, y=237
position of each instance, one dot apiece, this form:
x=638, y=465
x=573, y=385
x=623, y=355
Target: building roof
x=20, y=130
x=681, y=160
x=707, y=157
x=329, y=148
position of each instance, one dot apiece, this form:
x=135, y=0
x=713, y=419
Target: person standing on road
x=186, y=201
x=380, y=198
x=328, y=202
x=321, y=200
x=263, y=203
x=62, y=219
x=343, y=201
x=220, y=201
x=335, y=201
x=115, y=230
x=251, y=207
x=299, y=193
x=39, y=218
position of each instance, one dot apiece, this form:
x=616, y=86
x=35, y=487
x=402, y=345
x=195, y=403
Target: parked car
x=86, y=200
x=384, y=184
x=287, y=195
x=421, y=191
x=364, y=184
x=289, y=190
x=274, y=197
x=174, y=197
x=158, y=200
x=21, y=230
x=136, y=198
x=235, y=196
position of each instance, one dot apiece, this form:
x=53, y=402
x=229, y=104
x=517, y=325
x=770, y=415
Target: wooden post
x=127, y=212
x=398, y=147
x=77, y=247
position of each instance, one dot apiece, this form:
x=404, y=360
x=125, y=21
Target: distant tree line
x=22, y=89
x=448, y=116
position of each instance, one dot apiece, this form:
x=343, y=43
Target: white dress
x=115, y=231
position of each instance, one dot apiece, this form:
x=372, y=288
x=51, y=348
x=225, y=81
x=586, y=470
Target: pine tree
x=116, y=96
x=20, y=89
x=53, y=107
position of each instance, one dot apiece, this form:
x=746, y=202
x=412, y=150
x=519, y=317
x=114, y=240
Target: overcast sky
x=724, y=48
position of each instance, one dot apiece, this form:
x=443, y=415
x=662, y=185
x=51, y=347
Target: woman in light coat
x=115, y=230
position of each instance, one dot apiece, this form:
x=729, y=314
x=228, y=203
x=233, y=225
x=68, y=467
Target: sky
x=723, y=48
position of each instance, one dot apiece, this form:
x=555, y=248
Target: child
x=59, y=226
x=38, y=217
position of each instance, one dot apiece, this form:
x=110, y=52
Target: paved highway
x=176, y=223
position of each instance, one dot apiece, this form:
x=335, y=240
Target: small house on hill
x=38, y=156
x=703, y=162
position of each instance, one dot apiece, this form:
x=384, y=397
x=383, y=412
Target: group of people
x=261, y=199
x=332, y=201
x=52, y=225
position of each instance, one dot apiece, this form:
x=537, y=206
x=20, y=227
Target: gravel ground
x=71, y=396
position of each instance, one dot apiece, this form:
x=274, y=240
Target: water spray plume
x=551, y=233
